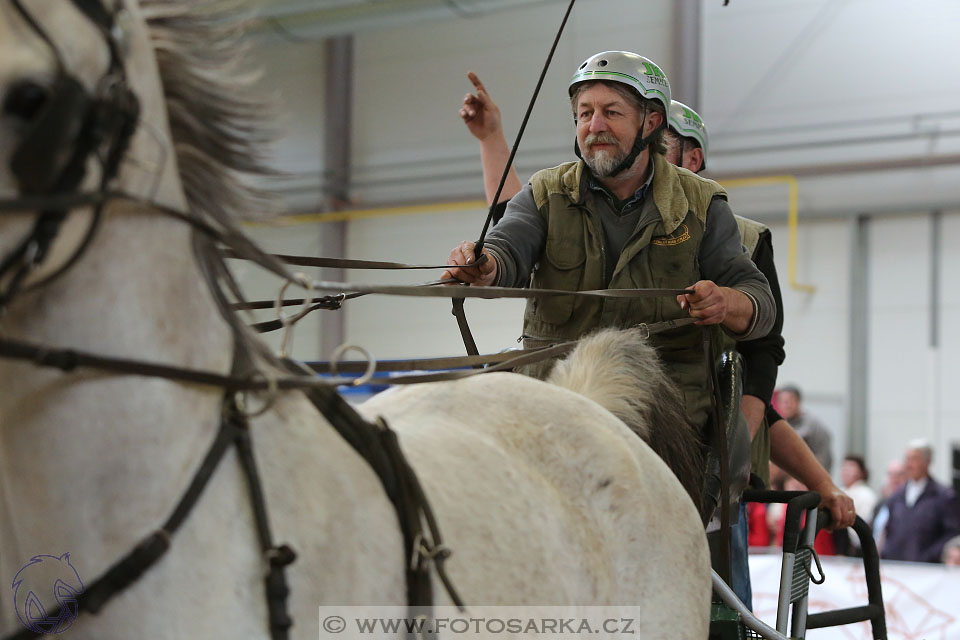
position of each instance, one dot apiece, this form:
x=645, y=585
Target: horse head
x=116, y=96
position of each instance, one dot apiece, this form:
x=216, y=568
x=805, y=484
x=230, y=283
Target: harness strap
x=468, y=342
x=277, y=557
x=420, y=364
x=345, y=263
x=70, y=359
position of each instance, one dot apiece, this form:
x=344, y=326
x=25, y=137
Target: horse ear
x=65, y=557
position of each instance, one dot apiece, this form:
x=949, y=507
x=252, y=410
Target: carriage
x=203, y=486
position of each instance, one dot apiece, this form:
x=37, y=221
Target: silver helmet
x=687, y=123
x=633, y=70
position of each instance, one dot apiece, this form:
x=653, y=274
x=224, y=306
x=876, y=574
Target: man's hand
x=708, y=302
x=481, y=275
x=479, y=112
x=838, y=503
x=713, y=304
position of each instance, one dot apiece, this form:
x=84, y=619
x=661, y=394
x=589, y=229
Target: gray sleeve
x=724, y=260
x=518, y=240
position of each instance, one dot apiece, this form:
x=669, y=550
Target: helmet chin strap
x=639, y=144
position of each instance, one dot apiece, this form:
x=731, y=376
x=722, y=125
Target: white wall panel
x=900, y=382
x=410, y=142
x=946, y=365
x=398, y=328
x=826, y=73
x=815, y=324
x=293, y=78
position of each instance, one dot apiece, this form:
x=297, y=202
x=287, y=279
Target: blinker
x=47, y=146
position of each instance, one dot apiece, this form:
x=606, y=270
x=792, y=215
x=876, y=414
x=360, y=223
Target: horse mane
x=219, y=128
x=220, y=135
x=618, y=370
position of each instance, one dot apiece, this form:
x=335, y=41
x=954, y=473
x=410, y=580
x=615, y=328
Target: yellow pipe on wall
x=465, y=205
x=793, y=220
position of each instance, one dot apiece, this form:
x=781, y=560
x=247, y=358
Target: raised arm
x=482, y=117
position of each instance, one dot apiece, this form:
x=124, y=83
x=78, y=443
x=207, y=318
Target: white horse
x=542, y=494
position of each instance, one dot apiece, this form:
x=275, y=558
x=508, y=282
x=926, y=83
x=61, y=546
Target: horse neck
x=74, y=446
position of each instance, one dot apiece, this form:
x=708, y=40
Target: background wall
x=854, y=98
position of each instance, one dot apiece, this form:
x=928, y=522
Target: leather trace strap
x=71, y=359
x=490, y=362
x=468, y=342
x=345, y=263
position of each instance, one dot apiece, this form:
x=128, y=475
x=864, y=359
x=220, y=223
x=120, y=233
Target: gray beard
x=602, y=163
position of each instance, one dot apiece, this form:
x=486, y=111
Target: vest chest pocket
x=562, y=267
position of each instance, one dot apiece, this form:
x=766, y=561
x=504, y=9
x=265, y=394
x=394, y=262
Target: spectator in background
x=924, y=514
x=854, y=476
x=814, y=433
x=896, y=476
x=951, y=552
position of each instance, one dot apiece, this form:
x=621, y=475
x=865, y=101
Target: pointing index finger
x=476, y=81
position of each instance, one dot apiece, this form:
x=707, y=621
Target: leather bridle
x=72, y=128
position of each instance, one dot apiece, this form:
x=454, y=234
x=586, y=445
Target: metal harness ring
x=287, y=322
x=371, y=362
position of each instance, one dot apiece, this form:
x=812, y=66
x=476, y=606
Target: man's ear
x=654, y=120
x=693, y=160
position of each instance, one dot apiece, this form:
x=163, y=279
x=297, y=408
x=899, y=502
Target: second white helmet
x=687, y=123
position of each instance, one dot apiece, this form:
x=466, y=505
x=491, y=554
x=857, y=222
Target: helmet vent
x=584, y=64
x=602, y=63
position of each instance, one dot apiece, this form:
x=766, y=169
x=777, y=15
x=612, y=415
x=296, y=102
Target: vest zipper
x=607, y=277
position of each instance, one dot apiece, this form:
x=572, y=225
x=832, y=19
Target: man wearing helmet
x=686, y=138
x=623, y=217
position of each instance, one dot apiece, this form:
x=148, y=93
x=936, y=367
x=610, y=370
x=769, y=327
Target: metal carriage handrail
x=798, y=535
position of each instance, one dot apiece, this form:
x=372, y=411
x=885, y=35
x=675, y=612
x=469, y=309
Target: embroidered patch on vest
x=673, y=239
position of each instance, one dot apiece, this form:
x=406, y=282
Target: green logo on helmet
x=690, y=115
x=652, y=70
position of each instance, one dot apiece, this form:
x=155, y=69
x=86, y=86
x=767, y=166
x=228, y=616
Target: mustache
x=601, y=138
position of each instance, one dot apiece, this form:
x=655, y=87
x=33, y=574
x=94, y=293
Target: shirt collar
x=914, y=490
x=638, y=195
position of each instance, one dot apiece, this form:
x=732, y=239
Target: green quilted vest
x=661, y=255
